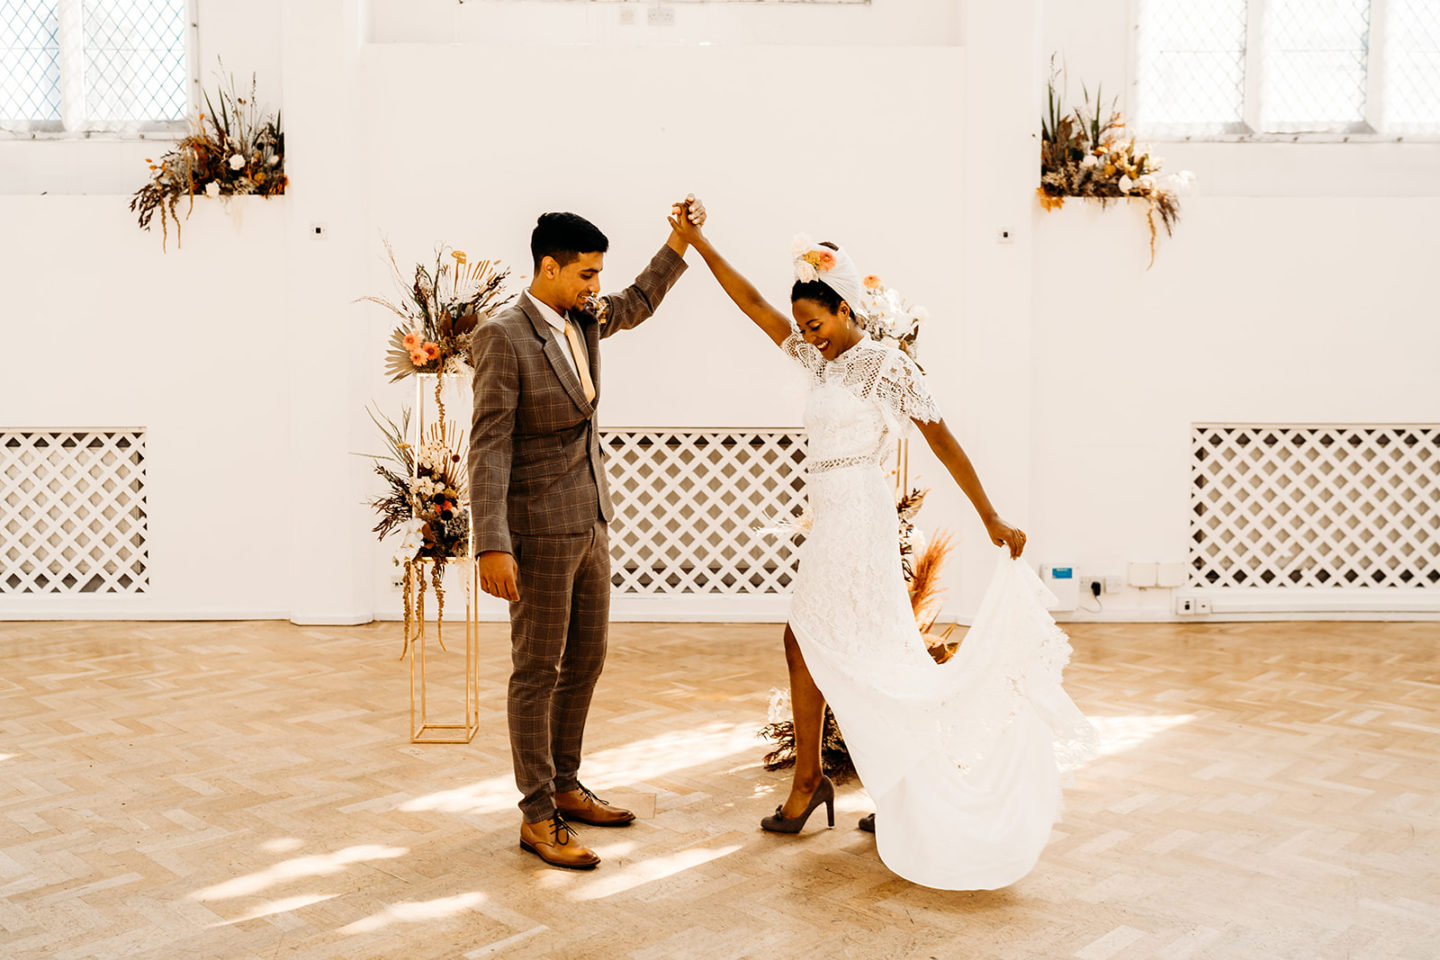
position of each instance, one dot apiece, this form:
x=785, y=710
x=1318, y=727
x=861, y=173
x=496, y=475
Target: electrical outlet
x=1186, y=606
x=1094, y=586
x=1202, y=606
x=1114, y=583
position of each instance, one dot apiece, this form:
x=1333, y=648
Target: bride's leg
x=808, y=706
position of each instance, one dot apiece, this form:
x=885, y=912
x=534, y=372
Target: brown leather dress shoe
x=553, y=841
x=584, y=807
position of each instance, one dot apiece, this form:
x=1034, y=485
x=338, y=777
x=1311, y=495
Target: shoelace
x=588, y=795
x=558, y=824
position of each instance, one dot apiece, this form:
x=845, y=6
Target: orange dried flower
x=1049, y=202
x=872, y=282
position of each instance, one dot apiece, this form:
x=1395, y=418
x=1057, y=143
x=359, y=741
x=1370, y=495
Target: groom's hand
x=498, y=575
x=686, y=219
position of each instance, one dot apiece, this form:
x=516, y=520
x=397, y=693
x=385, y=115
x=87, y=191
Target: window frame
x=1368, y=130
x=56, y=130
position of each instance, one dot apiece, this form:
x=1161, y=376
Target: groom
x=541, y=506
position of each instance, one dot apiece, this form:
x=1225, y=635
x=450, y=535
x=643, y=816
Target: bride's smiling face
x=832, y=333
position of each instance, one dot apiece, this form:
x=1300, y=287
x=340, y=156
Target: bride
x=960, y=759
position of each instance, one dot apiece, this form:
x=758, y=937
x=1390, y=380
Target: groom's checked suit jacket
x=535, y=461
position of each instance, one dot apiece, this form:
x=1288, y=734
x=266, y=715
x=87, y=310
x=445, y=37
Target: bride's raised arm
x=747, y=298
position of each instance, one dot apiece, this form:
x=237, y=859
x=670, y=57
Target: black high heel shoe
x=825, y=793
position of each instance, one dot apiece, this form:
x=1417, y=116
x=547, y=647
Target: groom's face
x=578, y=279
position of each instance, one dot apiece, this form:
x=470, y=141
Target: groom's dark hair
x=565, y=236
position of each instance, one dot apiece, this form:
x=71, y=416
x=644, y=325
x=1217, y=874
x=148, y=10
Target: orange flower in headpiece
x=820, y=259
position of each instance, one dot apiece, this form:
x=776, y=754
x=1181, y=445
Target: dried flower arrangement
x=424, y=500
x=439, y=308
x=1084, y=154
x=228, y=152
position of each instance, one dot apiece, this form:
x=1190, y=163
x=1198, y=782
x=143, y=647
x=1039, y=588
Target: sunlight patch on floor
x=1119, y=734
x=643, y=760
x=415, y=912
x=317, y=865
x=641, y=872
x=282, y=845
x=272, y=907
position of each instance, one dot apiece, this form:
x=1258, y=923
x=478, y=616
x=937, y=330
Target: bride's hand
x=687, y=217
x=1004, y=535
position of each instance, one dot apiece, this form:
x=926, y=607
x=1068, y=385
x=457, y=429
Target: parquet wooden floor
x=247, y=790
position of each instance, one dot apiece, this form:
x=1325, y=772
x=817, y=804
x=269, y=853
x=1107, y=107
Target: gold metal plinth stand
x=422, y=729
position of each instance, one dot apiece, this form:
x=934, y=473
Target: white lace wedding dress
x=961, y=759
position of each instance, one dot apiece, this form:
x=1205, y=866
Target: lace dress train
x=961, y=759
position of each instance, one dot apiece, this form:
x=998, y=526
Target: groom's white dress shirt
x=558, y=322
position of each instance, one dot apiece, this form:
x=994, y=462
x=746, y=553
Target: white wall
x=1295, y=290
x=490, y=23
x=1274, y=310
x=1296, y=287
x=710, y=128
x=236, y=351
x=101, y=329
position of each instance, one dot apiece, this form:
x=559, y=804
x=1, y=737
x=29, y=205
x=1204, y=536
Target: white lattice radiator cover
x=1316, y=507
x=687, y=504
x=72, y=512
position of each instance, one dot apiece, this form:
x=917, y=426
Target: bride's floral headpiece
x=834, y=268
x=881, y=311
x=811, y=259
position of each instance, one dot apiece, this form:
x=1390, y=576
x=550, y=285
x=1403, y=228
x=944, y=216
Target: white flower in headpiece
x=805, y=272
x=801, y=245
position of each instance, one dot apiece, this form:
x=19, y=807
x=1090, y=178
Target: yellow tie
x=581, y=367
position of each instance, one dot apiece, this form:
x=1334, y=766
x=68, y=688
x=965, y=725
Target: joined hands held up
x=687, y=217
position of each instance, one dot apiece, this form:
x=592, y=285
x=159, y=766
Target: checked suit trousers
x=558, y=638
